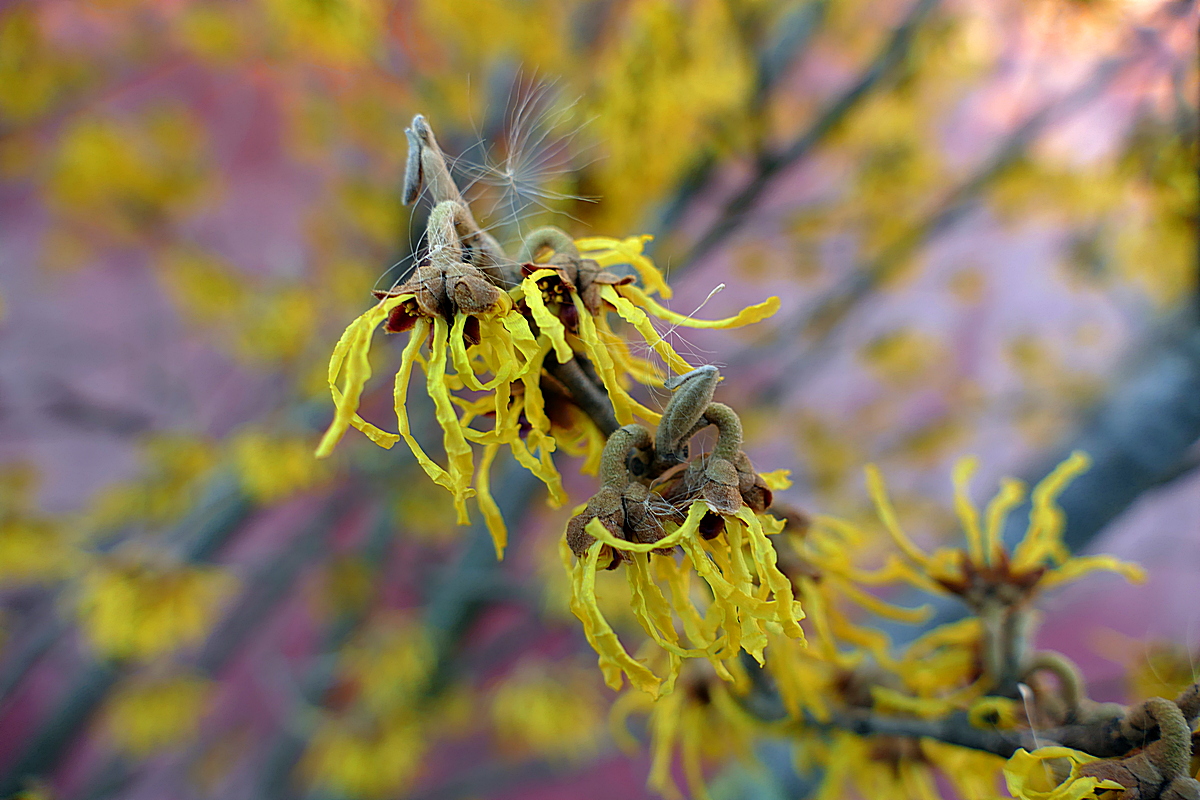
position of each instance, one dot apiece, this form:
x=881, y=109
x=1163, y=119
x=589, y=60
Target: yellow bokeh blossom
x=153, y=714
x=549, y=713
x=366, y=757
x=272, y=467
x=135, y=606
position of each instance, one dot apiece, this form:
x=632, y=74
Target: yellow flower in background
x=33, y=546
x=367, y=757
x=35, y=549
x=1052, y=773
x=173, y=467
x=554, y=712
x=701, y=720
x=148, y=715
x=388, y=664
x=342, y=32
x=134, y=606
x=1039, y=562
x=272, y=467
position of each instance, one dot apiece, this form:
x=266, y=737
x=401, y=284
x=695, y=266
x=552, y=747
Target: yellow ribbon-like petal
x=550, y=325
x=747, y=316
x=350, y=355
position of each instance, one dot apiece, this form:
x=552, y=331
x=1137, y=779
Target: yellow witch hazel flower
x=954, y=666
x=702, y=720
x=521, y=354
x=654, y=499
x=1039, y=562
x=549, y=712
x=156, y=712
x=134, y=605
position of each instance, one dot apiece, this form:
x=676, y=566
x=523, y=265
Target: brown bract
x=628, y=513
x=442, y=291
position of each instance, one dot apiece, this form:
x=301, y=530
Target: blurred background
x=980, y=217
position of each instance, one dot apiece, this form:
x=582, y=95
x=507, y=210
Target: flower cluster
x=514, y=347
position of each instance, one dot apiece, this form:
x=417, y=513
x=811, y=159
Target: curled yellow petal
x=1011, y=493
x=350, y=356
x=887, y=515
x=1078, y=566
x=1043, y=539
x=400, y=395
x=487, y=504
x=638, y=319
x=968, y=515
x=458, y=449
x=614, y=660
x=624, y=406
x=747, y=316
x=547, y=323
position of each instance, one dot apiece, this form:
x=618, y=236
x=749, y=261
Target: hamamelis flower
x=723, y=539
x=133, y=605
x=477, y=342
x=1039, y=562
x=571, y=293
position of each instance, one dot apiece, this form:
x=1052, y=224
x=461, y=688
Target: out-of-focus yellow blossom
x=675, y=75
x=426, y=516
x=389, y=663
x=701, y=719
x=903, y=768
x=549, y=713
x=134, y=606
x=215, y=33
x=344, y=33
x=33, y=546
x=148, y=715
x=484, y=29
x=34, y=549
x=1052, y=773
x=33, y=73
x=272, y=467
x=1039, y=562
x=904, y=357
x=367, y=757
x=259, y=325
x=126, y=176
x=173, y=466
